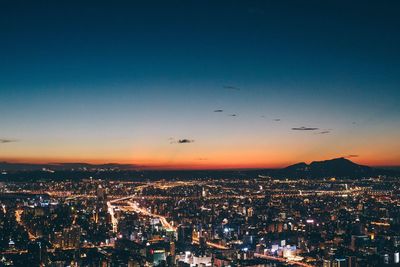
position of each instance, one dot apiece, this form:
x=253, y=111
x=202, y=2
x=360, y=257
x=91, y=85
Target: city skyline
x=200, y=85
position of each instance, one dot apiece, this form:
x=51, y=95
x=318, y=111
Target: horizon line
x=183, y=167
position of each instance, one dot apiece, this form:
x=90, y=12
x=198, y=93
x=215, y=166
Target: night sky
x=200, y=84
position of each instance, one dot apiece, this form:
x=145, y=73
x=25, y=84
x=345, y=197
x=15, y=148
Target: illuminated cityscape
x=253, y=220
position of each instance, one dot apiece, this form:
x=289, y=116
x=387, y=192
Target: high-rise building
x=351, y=261
x=185, y=233
x=204, y=192
x=101, y=193
x=327, y=263
x=339, y=263
x=71, y=237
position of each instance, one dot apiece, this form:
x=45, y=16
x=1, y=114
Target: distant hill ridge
x=340, y=167
x=63, y=166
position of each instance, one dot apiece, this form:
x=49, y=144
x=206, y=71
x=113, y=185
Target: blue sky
x=114, y=81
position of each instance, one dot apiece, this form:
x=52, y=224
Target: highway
x=114, y=220
x=18, y=213
x=144, y=211
x=267, y=257
x=164, y=222
x=210, y=244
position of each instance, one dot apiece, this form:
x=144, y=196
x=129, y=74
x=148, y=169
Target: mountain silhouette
x=338, y=167
x=64, y=166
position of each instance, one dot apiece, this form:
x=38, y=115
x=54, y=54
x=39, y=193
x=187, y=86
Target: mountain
x=7, y=166
x=339, y=167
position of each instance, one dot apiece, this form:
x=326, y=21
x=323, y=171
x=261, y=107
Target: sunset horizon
x=237, y=87
x=195, y=165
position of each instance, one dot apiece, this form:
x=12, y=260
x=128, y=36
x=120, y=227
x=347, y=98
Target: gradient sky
x=124, y=81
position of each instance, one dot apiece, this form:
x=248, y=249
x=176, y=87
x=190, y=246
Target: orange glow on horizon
x=220, y=163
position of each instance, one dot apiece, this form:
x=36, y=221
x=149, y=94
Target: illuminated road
x=111, y=207
x=267, y=257
x=114, y=220
x=18, y=213
x=210, y=244
x=167, y=225
x=162, y=219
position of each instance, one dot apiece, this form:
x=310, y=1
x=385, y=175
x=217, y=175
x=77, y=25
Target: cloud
x=230, y=87
x=219, y=110
x=202, y=159
x=185, y=141
x=232, y=115
x=276, y=119
x=324, y=131
x=5, y=140
x=180, y=141
x=302, y=128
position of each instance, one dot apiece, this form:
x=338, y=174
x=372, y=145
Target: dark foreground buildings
x=202, y=222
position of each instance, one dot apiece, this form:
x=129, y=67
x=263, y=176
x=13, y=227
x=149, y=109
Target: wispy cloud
x=352, y=156
x=180, y=141
x=324, y=132
x=219, y=110
x=6, y=140
x=274, y=119
x=185, y=141
x=303, y=128
x=233, y=115
x=231, y=87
